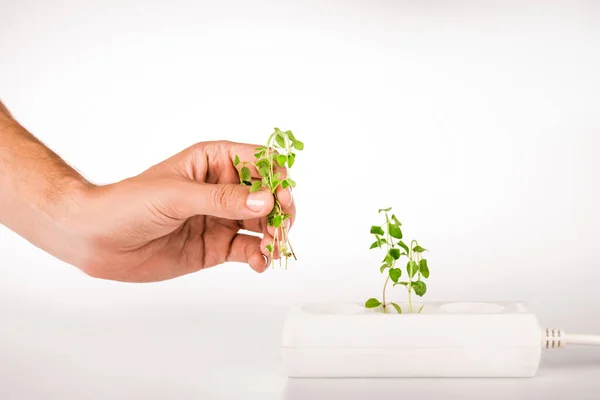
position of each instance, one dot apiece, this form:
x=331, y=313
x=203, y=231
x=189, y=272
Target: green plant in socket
x=388, y=237
x=280, y=150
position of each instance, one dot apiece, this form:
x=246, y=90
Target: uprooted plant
x=278, y=151
x=389, y=237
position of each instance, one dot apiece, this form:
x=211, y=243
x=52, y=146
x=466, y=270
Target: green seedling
x=278, y=152
x=389, y=238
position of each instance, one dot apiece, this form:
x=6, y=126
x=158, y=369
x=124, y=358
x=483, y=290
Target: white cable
x=557, y=338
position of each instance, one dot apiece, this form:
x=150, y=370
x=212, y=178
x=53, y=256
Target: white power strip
x=345, y=340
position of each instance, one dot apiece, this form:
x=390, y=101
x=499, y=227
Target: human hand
x=180, y=216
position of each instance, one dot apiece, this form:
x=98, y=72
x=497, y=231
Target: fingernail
x=255, y=201
x=266, y=261
x=291, y=197
x=287, y=224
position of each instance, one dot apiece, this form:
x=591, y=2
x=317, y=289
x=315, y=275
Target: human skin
x=177, y=217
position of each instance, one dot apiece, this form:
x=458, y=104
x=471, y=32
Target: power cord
x=557, y=338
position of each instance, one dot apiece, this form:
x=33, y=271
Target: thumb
x=230, y=201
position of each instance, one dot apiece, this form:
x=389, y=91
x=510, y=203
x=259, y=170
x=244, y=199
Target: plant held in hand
x=389, y=237
x=279, y=151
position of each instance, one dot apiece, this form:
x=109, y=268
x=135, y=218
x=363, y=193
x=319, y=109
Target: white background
x=479, y=122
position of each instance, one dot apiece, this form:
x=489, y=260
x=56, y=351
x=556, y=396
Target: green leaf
x=298, y=145
x=281, y=160
x=418, y=249
x=280, y=140
x=412, y=268
x=264, y=172
x=291, y=159
x=395, y=253
x=269, y=248
x=263, y=163
x=277, y=221
x=396, y=222
x=291, y=182
x=394, y=231
x=423, y=268
x=378, y=243
x=236, y=161
x=285, y=183
x=256, y=186
x=275, y=185
x=259, y=154
x=397, y=307
x=419, y=287
x=290, y=135
x=388, y=260
x=401, y=283
x=403, y=245
x=245, y=174
x=420, y=309
x=384, y=209
x=372, y=303
x=395, y=274
x=383, y=267
x=377, y=230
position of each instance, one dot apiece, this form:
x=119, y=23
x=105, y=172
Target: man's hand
x=178, y=217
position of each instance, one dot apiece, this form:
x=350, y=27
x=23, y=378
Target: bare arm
x=37, y=187
x=175, y=218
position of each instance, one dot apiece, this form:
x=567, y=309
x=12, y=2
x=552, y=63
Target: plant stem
x=384, y=287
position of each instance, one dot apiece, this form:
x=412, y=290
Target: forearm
x=37, y=188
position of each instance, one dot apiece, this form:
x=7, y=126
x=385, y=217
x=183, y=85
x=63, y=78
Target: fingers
x=247, y=249
x=228, y=201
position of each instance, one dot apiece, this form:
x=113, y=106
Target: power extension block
x=445, y=340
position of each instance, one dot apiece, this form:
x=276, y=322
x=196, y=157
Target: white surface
x=193, y=351
x=340, y=341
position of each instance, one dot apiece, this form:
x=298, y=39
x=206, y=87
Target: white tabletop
x=224, y=352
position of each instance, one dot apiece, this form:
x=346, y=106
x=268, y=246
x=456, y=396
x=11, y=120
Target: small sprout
x=394, y=231
x=275, y=154
x=423, y=268
x=245, y=175
x=378, y=243
x=256, y=187
x=299, y=145
x=404, y=246
x=412, y=268
x=395, y=274
x=397, y=307
x=419, y=287
x=376, y=230
x=416, y=266
x=372, y=303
